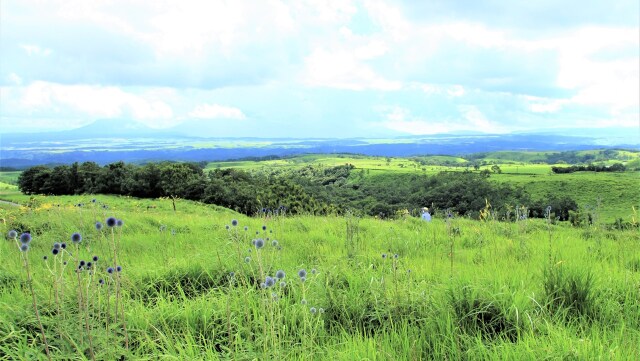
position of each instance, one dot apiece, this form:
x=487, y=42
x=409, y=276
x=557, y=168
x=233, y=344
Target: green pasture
x=190, y=286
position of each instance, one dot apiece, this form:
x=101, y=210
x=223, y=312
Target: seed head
x=25, y=238
x=76, y=238
x=12, y=234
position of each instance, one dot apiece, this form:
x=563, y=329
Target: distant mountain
x=107, y=128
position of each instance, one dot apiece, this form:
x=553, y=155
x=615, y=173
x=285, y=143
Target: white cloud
x=35, y=50
x=89, y=101
x=215, y=111
x=401, y=120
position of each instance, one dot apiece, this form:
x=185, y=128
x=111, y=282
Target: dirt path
x=9, y=203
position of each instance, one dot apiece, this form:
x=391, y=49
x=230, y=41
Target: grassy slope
x=178, y=302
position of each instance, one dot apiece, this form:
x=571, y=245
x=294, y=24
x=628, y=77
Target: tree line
x=313, y=189
x=617, y=167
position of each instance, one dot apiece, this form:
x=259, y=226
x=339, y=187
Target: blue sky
x=321, y=67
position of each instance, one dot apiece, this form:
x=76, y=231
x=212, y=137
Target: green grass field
x=191, y=289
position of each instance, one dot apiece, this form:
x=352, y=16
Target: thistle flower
x=12, y=234
x=111, y=222
x=280, y=274
x=89, y=264
x=82, y=263
x=110, y=270
x=283, y=284
x=227, y=227
x=63, y=245
x=56, y=245
x=119, y=223
x=384, y=256
x=303, y=301
x=234, y=222
x=303, y=279
x=55, y=251
x=269, y=281
x=274, y=243
x=95, y=258
x=25, y=238
x=264, y=228
x=76, y=238
x=263, y=285
x=24, y=247
x=93, y=200
x=247, y=259
x=101, y=281
x=259, y=243
x=98, y=226
x=246, y=228
x=314, y=271
x=232, y=274
x=321, y=310
x=395, y=256
x=118, y=268
x=313, y=310
x=302, y=273
x=44, y=258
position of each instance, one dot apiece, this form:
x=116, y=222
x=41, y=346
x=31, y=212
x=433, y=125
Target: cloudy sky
x=321, y=67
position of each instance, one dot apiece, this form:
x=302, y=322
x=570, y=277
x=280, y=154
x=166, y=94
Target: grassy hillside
x=190, y=286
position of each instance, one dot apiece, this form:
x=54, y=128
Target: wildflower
x=111, y=222
x=280, y=274
x=234, y=222
x=119, y=223
x=247, y=259
x=110, y=270
x=98, y=226
x=395, y=256
x=264, y=228
x=302, y=273
x=55, y=251
x=314, y=271
x=313, y=310
x=93, y=200
x=384, y=256
x=303, y=301
x=269, y=281
x=76, y=238
x=118, y=268
x=283, y=284
x=101, y=281
x=246, y=228
x=56, y=245
x=44, y=258
x=12, y=234
x=259, y=243
x=25, y=238
x=274, y=243
x=303, y=279
x=63, y=245
x=321, y=310
x=263, y=285
x=89, y=264
x=95, y=258
x=232, y=274
x=24, y=247
x=82, y=263
x=227, y=227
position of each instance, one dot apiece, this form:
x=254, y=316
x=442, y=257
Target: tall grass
x=189, y=294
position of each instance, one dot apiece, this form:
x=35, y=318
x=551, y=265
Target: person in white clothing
x=426, y=216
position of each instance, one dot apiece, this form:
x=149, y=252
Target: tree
x=496, y=169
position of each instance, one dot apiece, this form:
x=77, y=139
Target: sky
x=321, y=68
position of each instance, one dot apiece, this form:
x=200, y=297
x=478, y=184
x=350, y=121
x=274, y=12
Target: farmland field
x=194, y=286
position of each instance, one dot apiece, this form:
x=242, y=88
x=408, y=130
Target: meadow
x=193, y=284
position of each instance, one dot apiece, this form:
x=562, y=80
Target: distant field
x=9, y=177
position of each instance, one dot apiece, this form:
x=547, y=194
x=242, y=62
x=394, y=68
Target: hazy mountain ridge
x=106, y=141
